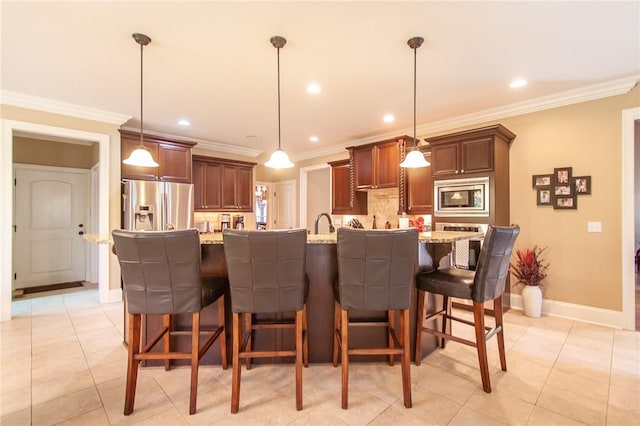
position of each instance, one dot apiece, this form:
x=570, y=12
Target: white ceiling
x=212, y=63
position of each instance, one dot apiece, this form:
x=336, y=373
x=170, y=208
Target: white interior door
x=285, y=200
x=50, y=215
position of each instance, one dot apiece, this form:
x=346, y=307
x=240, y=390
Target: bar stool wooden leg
x=446, y=305
x=223, y=335
x=391, y=320
x=344, y=345
x=419, y=320
x=497, y=309
x=135, y=321
x=299, y=351
x=481, y=345
x=406, y=347
x=336, y=331
x=248, y=328
x=166, y=339
x=235, y=377
x=195, y=349
x=305, y=337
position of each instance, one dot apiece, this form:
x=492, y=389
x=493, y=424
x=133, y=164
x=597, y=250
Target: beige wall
x=50, y=153
x=39, y=117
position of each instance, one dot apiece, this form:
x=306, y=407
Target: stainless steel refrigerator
x=157, y=206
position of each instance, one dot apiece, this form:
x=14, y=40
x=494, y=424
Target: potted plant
x=530, y=269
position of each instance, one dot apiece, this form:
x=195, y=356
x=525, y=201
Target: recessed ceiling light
x=314, y=139
x=184, y=122
x=389, y=118
x=518, y=83
x=314, y=88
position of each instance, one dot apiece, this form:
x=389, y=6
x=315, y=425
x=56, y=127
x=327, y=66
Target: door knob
x=81, y=233
x=81, y=225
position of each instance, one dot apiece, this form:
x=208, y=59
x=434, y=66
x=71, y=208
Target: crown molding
x=56, y=107
x=214, y=146
x=584, y=94
x=588, y=93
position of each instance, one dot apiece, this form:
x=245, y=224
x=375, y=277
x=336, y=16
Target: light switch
x=594, y=226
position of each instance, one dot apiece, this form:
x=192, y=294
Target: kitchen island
x=321, y=268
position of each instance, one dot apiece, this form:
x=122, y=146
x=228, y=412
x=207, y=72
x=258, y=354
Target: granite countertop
x=424, y=237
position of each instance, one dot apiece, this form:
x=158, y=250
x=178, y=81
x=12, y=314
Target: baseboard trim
x=572, y=311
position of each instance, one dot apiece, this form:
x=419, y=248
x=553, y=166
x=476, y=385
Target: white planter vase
x=532, y=300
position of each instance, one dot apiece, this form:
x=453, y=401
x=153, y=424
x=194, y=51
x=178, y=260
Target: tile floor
x=63, y=362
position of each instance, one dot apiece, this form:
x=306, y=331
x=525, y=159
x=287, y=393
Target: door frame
x=9, y=128
x=629, y=117
x=304, y=171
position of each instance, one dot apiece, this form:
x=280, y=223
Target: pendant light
x=140, y=157
x=279, y=159
x=414, y=158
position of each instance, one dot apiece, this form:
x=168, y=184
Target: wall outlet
x=594, y=226
x=338, y=221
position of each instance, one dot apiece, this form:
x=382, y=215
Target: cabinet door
x=175, y=163
x=244, y=189
x=363, y=169
x=229, y=180
x=420, y=189
x=212, y=189
x=134, y=172
x=476, y=156
x=386, y=164
x=445, y=159
x=198, y=185
x=340, y=190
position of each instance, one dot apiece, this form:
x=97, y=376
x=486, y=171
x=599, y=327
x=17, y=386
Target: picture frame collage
x=560, y=189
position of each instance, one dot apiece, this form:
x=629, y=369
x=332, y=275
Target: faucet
x=315, y=225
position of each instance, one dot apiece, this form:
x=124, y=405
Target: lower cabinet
x=222, y=185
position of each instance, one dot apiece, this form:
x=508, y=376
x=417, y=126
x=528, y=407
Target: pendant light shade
x=414, y=158
x=279, y=159
x=140, y=157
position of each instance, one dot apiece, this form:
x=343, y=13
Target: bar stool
x=376, y=269
x=161, y=276
x=266, y=276
x=486, y=283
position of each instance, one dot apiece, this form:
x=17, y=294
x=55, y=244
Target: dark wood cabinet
x=173, y=157
x=419, y=188
x=344, y=199
x=376, y=165
x=222, y=185
x=466, y=152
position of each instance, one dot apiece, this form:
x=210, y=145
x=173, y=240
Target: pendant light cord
x=415, y=49
x=141, y=92
x=278, y=98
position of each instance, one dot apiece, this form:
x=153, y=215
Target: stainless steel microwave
x=462, y=197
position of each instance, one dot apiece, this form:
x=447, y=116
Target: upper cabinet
x=376, y=165
x=468, y=152
x=416, y=195
x=222, y=185
x=344, y=199
x=173, y=157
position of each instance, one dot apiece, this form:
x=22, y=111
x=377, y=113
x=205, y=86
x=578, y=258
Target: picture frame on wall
x=544, y=196
x=562, y=175
x=564, y=190
x=565, y=203
x=582, y=185
x=542, y=180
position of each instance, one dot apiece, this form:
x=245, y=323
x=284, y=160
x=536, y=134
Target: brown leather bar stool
x=486, y=283
x=161, y=276
x=375, y=273
x=267, y=276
